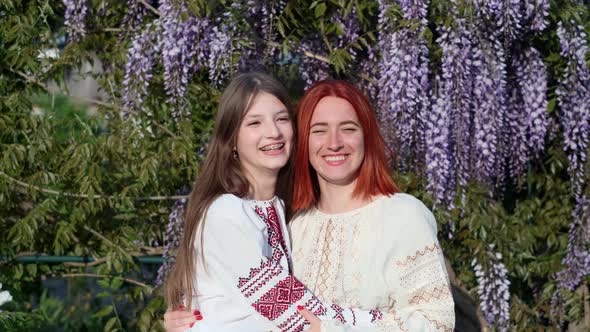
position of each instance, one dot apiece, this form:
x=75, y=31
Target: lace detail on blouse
x=382, y=257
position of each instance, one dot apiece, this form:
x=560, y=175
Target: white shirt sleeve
x=416, y=275
x=236, y=256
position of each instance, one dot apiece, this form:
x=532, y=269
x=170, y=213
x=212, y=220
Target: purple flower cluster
x=537, y=12
x=75, y=15
x=311, y=69
x=573, y=95
x=172, y=238
x=483, y=119
x=403, y=97
x=184, y=50
x=413, y=9
x=493, y=290
x=514, y=17
x=448, y=133
x=489, y=106
x=369, y=65
x=528, y=110
x=220, y=59
x=577, y=258
x=135, y=14
x=139, y=66
x=180, y=44
x=239, y=39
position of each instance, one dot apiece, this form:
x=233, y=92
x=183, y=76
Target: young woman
x=357, y=241
x=234, y=260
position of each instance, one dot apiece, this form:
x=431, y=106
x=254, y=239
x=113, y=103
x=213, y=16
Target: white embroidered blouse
x=245, y=283
x=384, y=255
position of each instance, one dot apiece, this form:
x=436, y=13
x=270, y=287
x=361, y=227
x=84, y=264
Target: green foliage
x=78, y=179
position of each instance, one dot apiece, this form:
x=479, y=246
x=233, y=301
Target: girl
x=356, y=240
x=234, y=260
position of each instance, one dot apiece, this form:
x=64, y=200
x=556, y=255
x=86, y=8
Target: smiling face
x=336, y=143
x=265, y=136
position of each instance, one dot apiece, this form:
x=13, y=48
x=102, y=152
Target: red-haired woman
x=356, y=240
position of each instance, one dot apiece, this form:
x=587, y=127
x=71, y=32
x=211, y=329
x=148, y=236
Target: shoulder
x=225, y=205
x=407, y=212
x=300, y=218
x=225, y=211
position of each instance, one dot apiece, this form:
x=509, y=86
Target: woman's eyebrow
x=350, y=122
x=319, y=124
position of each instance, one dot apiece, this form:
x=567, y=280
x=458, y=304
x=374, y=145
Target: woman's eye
x=351, y=129
x=317, y=131
x=285, y=119
x=253, y=123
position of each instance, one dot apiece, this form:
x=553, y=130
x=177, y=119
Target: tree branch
x=93, y=275
x=150, y=7
x=97, y=261
x=68, y=194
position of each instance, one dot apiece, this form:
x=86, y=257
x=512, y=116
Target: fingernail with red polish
x=199, y=317
x=196, y=312
x=299, y=307
x=191, y=325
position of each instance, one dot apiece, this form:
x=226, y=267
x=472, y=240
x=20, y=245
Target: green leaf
x=551, y=105
x=117, y=282
x=320, y=10
x=104, y=312
x=109, y=326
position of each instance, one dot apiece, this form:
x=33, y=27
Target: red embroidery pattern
x=377, y=315
x=258, y=277
x=281, y=290
x=295, y=321
x=275, y=235
x=339, y=313
x=435, y=248
x=278, y=299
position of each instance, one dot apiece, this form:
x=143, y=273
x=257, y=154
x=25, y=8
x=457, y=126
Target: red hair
x=373, y=177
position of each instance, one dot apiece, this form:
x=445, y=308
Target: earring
x=235, y=154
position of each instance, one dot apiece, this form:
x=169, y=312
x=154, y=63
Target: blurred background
x=106, y=107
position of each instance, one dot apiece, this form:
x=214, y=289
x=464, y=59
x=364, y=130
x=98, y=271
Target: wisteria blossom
x=404, y=88
x=577, y=258
x=184, y=49
x=135, y=14
x=489, y=106
x=447, y=165
x=75, y=17
x=573, y=95
x=493, y=289
x=527, y=111
x=172, y=237
x=537, y=12
x=138, y=69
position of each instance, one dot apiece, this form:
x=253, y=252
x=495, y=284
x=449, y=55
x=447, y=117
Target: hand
x=313, y=320
x=180, y=320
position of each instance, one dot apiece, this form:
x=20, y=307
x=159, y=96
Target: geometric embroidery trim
x=428, y=250
x=277, y=300
x=428, y=295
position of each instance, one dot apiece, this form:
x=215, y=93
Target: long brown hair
x=221, y=173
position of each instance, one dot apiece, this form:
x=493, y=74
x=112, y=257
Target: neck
x=338, y=198
x=262, y=186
